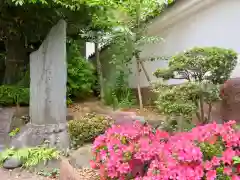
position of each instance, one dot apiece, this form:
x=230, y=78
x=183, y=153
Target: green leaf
x=236, y=160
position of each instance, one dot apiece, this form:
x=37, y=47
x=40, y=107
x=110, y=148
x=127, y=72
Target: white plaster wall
x=216, y=25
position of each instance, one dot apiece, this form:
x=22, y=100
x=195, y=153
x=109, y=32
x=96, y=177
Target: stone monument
x=48, y=78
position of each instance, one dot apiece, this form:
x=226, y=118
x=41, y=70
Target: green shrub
x=81, y=73
x=119, y=97
x=12, y=95
x=118, y=94
x=87, y=128
x=81, y=78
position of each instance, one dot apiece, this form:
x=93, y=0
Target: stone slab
x=48, y=74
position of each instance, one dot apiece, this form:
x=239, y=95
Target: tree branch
x=145, y=72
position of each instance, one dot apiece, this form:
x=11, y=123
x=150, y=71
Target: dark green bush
x=12, y=95
x=87, y=128
x=80, y=78
x=81, y=73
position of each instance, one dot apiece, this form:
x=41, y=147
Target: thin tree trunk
x=201, y=109
x=139, y=81
x=180, y=121
x=145, y=72
x=197, y=113
x=16, y=56
x=99, y=70
x=209, y=112
x=137, y=54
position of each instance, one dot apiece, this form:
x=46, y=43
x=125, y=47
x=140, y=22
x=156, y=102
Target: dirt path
x=80, y=109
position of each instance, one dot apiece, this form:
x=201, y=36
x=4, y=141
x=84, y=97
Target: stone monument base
x=32, y=135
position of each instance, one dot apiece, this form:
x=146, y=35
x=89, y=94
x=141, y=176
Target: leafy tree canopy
x=198, y=64
x=34, y=18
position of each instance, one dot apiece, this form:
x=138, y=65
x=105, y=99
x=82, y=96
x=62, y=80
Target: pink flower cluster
x=137, y=152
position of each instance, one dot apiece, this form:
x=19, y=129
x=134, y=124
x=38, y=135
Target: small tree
x=135, y=16
x=204, y=69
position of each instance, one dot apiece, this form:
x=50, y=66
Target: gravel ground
x=19, y=175
x=88, y=174
x=84, y=174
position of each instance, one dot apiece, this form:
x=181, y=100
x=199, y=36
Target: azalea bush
x=135, y=151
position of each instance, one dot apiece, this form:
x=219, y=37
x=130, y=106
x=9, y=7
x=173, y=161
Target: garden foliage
x=12, y=95
x=204, y=69
x=30, y=156
x=209, y=152
x=81, y=73
x=116, y=90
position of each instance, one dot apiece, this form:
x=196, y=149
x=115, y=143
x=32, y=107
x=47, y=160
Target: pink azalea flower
x=235, y=177
x=227, y=171
x=215, y=161
x=211, y=175
x=124, y=168
x=228, y=156
x=208, y=165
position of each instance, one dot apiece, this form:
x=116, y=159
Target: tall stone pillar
x=48, y=78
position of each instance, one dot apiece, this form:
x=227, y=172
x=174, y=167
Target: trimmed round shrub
x=209, y=152
x=203, y=69
x=201, y=63
x=88, y=128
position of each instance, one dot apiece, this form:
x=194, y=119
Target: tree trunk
x=99, y=70
x=201, y=103
x=15, y=59
x=145, y=72
x=139, y=81
x=209, y=112
x=137, y=52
